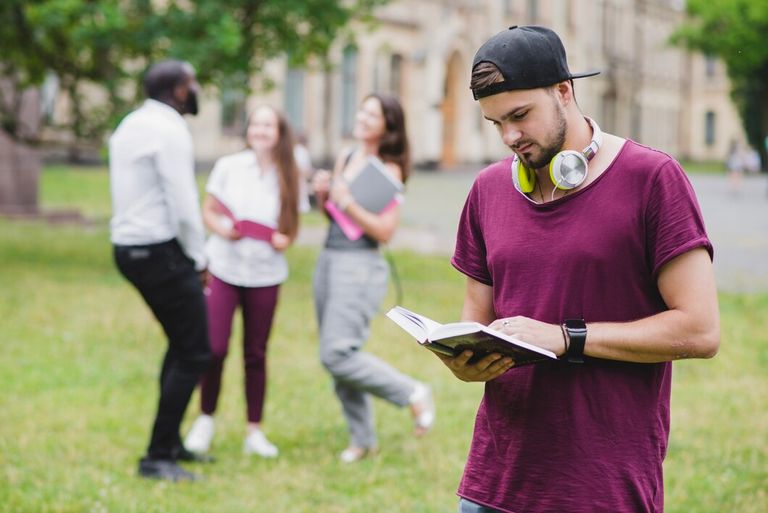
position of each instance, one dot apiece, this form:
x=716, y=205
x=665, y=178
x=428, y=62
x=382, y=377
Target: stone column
x=19, y=177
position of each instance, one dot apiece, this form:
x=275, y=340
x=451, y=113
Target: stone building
x=422, y=51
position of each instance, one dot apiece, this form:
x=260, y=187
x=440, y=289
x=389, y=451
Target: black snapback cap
x=528, y=57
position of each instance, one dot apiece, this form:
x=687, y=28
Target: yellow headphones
x=567, y=170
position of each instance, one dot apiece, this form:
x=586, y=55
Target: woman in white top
x=252, y=209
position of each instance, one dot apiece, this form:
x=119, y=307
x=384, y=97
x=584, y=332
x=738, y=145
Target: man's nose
x=510, y=135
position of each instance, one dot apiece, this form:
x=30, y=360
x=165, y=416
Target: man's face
x=190, y=102
x=187, y=93
x=531, y=122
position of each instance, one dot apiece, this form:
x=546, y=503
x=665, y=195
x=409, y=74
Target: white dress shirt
x=252, y=194
x=152, y=180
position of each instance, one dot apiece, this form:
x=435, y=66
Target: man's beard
x=553, y=148
x=190, y=106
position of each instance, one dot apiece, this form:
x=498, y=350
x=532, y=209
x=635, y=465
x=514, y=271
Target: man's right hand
x=205, y=277
x=485, y=369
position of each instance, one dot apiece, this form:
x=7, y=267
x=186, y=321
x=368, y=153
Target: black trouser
x=169, y=284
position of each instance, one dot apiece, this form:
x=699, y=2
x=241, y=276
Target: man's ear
x=564, y=92
x=180, y=93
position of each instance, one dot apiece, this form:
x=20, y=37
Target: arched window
x=396, y=74
x=709, y=128
x=348, y=89
x=294, y=97
x=533, y=11
x=233, y=108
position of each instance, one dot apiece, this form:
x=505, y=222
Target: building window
x=233, y=115
x=348, y=87
x=710, y=65
x=49, y=91
x=396, y=74
x=533, y=11
x=294, y=98
x=709, y=128
x=509, y=9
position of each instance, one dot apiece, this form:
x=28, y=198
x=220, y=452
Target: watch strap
x=576, y=332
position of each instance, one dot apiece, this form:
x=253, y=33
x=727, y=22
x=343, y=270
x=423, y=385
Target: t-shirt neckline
x=575, y=194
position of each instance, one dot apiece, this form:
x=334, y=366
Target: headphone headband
x=595, y=143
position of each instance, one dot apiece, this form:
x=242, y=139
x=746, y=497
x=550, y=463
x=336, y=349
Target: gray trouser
x=349, y=287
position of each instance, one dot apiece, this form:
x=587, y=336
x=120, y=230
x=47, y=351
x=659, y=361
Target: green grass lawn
x=81, y=354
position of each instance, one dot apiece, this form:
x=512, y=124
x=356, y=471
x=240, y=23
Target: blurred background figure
x=301, y=154
x=734, y=165
x=351, y=278
x=263, y=185
x=158, y=239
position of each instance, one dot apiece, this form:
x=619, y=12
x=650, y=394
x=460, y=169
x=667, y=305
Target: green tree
x=735, y=31
x=106, y=44
x=97, y=50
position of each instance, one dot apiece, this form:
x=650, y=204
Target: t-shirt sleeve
x=673, y=217
x=215, y=184
x=469, y=256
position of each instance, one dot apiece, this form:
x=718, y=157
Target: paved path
x=736, y=223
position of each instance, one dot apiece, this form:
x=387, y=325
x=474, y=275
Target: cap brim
x=591, y=73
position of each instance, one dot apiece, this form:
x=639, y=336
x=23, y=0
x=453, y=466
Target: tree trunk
x=19, y=177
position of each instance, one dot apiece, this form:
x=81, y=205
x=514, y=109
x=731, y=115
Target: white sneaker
x=256, y=443
x=199, y=438
x=422, y=408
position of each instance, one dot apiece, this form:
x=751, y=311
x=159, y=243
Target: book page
x=426, y=323
x=455, y=329
x=406, y=320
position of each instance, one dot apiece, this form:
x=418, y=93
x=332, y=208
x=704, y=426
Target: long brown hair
x=393, y=146
x=287, y=174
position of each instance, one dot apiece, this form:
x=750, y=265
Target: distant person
x=260, y=184
x=158, y=239
x=302, y=156
x=752, y=162
x=593, y=247
x=351, y=281
x=735, y=164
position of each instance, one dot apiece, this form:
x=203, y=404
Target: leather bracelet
x=565, y=339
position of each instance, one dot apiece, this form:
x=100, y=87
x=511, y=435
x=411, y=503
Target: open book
x=373, y=189
x=246, y=228
x=453, y=338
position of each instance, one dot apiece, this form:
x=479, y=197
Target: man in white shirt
x=158, y=239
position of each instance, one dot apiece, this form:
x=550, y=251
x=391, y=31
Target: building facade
x=422, y=50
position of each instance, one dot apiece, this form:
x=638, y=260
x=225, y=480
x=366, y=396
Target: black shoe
x=182, y=454
x=167, y=470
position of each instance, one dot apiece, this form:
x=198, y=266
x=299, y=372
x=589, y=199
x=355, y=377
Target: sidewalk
x=737, y=223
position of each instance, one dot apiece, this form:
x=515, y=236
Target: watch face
x=575, y=324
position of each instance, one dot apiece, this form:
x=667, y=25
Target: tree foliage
x=735, y=31
x=104, y=45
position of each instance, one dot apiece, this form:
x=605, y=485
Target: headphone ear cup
x=523, y=178
x=568, y=170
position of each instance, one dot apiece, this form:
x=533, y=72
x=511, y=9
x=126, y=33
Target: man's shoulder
x=152, y=120
x=495, y=172
x=642, y=157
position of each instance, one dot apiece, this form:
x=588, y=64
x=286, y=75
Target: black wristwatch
x=575, y=331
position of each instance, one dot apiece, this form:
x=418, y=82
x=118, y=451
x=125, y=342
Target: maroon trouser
x=258, y=308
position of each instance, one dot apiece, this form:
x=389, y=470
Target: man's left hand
x=541, y=334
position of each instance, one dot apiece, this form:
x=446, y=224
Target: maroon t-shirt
x=558, y=437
